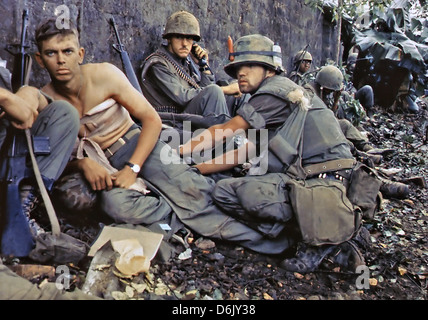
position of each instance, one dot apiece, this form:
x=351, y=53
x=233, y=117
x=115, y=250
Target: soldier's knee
x=213, y=91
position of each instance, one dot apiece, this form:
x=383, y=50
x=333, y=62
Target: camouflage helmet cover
x=182, y=23
x=255, y=49
x=330, y=77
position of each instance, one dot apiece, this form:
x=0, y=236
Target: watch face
x=135, y=167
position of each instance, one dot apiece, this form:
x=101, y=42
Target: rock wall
x=290, y=23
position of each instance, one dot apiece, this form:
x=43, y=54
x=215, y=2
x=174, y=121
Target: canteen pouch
x=363, y=190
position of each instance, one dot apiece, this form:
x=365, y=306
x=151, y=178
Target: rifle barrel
x=113, y=23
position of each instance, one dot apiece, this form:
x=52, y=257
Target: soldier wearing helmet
x=274, y=101
x=177, y=77
x=257, y=65
x=364, y=93
x=302, y=64
x=329, y=85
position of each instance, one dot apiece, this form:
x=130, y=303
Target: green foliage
x=353, y=9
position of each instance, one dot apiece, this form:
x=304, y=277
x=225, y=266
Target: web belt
x=333, y=165
x=110, y=151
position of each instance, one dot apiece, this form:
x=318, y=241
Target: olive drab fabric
x=313, y=140
x=14, y=287
x=323, y=139
x=260, y=202
x=255, y=49
x=363, y=190
x=323, y=211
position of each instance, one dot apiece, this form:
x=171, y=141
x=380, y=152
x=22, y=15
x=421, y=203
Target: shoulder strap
x=48, y=204
x=285, y=143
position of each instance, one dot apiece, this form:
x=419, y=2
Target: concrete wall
x=141, y=22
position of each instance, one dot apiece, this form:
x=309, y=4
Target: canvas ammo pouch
x=363, y=189
x=324, y=213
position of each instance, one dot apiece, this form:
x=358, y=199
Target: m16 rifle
x=16, y=238
x=126, y=62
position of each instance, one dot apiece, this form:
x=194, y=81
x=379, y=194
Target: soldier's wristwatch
x=135, y=167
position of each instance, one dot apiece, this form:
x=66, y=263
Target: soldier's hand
x=232, y=89
x=124, y=178
x=198, y=53
x=97, y=176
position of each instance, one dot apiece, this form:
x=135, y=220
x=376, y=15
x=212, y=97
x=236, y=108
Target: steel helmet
x=302, y=55
x=182, y=23
x=255, y=49
x=330, y=77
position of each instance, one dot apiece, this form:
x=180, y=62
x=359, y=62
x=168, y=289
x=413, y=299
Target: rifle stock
x=16, y=238
x=126, y=62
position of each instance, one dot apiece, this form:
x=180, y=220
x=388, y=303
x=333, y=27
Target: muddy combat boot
x=348, y=256
x=369, y=159
x=393, y=189
x=307, y=259
x=383, y=152
x=29, y=201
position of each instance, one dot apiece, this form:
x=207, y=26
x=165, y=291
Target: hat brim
x=231, y=67
x=169, y=35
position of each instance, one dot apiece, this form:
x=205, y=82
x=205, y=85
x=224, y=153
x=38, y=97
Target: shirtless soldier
x=108, y=142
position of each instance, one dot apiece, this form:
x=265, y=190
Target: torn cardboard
x=150, y=241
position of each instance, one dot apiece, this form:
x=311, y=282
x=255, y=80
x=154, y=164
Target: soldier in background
x=177, y=77
x=329, y=81
x=328, y=85
x=364, y=94
x=302, y=63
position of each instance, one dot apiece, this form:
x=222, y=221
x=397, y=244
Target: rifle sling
x=48, y=204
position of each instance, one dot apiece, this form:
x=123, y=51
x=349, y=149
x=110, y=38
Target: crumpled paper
x=131, y=260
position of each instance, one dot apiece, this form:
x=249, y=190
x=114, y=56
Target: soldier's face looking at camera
x=61, y=55
x=305, y=65
x=180, y=45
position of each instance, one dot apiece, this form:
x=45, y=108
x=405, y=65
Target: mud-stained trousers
x=210, y=101
x=60, y=122
x=189, y=194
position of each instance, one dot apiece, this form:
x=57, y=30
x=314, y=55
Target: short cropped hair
x=49, y=28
